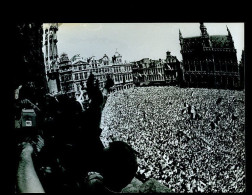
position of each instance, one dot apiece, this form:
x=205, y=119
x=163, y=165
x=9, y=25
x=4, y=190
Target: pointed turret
x=230, y=37
x=203, y=29
x=206, y=42
x=46, y=46
x=180, y=35
x=180, y=38
x=229, y=34
x=51, y=57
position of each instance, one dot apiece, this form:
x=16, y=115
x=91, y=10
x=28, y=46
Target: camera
x=28, y=119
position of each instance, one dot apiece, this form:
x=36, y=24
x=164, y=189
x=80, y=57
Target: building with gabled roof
x=74, y=74
x=156, y=72
x=210, y=61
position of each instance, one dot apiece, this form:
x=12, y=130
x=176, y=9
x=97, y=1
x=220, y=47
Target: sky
x=135, y=41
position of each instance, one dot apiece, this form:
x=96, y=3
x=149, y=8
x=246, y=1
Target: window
x=76, y=77
x=81, y=76
x=223, y=66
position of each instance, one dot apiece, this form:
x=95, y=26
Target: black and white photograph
x=151, y=107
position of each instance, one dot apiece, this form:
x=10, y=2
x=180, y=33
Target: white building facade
x=74, y=73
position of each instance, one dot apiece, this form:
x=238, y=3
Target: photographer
x=72, y=151
x=117, y=168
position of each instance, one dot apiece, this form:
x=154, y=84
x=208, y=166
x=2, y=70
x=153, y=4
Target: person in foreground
x=117, y=168
x=27, y=178
x=69, y=155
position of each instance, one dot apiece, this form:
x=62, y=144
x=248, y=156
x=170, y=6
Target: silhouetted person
x=189, y=109
x=212, y=125
x=218, y=101
x=109, y=83
x=73, y=149
x=117, y=168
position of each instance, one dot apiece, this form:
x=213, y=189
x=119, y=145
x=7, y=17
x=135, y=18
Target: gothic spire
x=229, y=34
x=203, y=29
x=230, y=37
x=180, y=37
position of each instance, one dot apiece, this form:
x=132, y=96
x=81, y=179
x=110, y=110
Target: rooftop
x=220, y=41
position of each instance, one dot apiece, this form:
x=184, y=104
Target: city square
x=129, y=107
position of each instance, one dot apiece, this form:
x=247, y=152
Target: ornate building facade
x=149, y=72
x=172, y=70
x=51, y=57
x=74, y=74
x=242, y=70
x=156, y=72
x=210, y=61
x=122, y=73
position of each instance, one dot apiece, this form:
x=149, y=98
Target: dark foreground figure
x=65, y=154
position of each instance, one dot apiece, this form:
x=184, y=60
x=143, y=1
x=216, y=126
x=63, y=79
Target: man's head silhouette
x=119, y=165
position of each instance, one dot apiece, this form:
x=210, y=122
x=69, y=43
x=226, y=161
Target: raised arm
x=27, y=178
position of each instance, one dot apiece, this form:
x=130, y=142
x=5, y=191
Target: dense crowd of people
x=191, y=140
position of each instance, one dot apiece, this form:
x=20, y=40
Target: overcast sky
x=135, y=41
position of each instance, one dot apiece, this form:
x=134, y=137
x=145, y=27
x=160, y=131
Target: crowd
x=191, y=140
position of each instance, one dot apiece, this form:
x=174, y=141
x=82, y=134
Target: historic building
x=172, y=70
x=100, y=68
x=122, y=73
x=156, y=72
x=66, y=75
x=210, y=61
x=148, y=71
x=74, y=74
x=137, y=71
x=51, y=57
x=242, y=71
